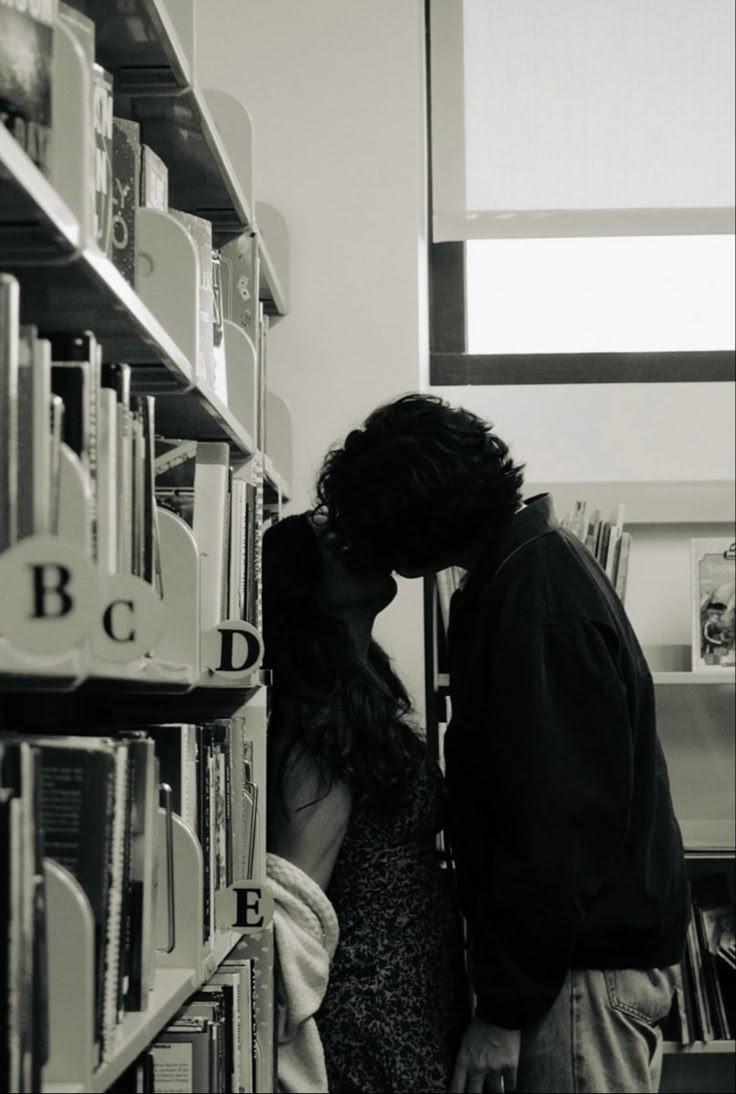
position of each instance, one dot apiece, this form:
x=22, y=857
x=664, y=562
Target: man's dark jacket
x=568, y=852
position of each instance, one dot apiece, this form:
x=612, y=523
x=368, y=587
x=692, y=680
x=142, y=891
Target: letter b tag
x=49, y=594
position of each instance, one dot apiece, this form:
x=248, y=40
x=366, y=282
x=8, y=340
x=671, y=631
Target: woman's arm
x=307, y=822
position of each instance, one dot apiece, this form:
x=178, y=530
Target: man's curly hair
x=418, y=480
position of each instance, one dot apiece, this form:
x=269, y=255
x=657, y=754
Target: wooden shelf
x=35, y=224
x=676, y=502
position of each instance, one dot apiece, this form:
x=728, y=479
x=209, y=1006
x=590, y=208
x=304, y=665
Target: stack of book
x=211, y=1046
x=706, y=997
x=91, y=804
x=125, y=174
x=23, y=996
x=211, y=770
x=219, y=502
x=606, y=540
x=67, y=416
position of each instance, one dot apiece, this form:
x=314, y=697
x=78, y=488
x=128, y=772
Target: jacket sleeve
x=554, y=746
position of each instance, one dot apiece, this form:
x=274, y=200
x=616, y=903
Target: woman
x=356, y=803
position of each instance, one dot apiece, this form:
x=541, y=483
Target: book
x=82, y=27
x=154, y=176
x=177, y=750
x=200, y=232
x=107, y=482
x=26, y=66
x=75, y=377
x=102, y=120
x=56, y=432
x=117, y=377
x=219, y=383
x=243, y=255
x=20, y=773
x=9, y=331
x=182, y=1056
x=140, y=920
x=11, y=940
x=713, y=578
x=211, y=502
x=143, y=408
x=81, y=808
x=605, y=538
x=126, y=167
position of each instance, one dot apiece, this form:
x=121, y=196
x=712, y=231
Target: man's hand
x=488, y=1059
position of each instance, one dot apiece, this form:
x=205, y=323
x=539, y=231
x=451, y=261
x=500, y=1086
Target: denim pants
x=601, y=1034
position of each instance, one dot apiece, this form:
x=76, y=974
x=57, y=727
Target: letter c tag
x=129, y=621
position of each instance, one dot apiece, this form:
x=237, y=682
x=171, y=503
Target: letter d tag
x=49, y=593
x=130, y=619
x=246, y=907
x=233, y=650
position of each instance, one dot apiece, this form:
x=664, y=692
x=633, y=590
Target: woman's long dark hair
x=347, y=714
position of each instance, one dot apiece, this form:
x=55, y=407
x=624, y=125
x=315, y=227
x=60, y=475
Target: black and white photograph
x=367, y=547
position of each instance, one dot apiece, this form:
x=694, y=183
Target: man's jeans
x=601, y=1034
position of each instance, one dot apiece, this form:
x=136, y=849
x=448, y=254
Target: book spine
x=102, y=116
x=115, y=905
x=126, y=154
x=27, y=472
x=26, y=65
x=9, y=332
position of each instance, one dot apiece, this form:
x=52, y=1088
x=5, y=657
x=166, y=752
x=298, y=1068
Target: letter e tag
x=246, y=907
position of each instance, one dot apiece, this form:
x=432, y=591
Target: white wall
x=335, y=91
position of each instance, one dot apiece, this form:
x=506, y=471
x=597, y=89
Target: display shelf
x=203, y=179
x=35, y=224
x=671, y=665
x=273, y=244
x=276, y=487
x=710, y=1048
x=171, y=990
x=718, y=678
x=664, y=502
x=20, y=670
x=199, y=415
x=89, y=293
x=141, y=46
x=219, y=949
x=148, y=674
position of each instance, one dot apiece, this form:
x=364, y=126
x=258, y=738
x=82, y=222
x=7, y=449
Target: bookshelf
x=67, y=284
x=695, y=709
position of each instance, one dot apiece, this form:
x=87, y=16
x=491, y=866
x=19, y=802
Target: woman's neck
x=359, y=623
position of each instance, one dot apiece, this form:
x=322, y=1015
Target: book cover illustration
x=126, y=156
x=154, y=181
x=102, y=115
x=200, y=232
x=26, y=59
x=714, y=603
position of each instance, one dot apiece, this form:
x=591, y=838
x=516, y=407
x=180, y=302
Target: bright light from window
x=592, y=295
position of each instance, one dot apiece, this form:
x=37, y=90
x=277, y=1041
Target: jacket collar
x=537, y=518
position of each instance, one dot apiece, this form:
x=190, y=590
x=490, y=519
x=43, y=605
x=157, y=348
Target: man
x=569, y=858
